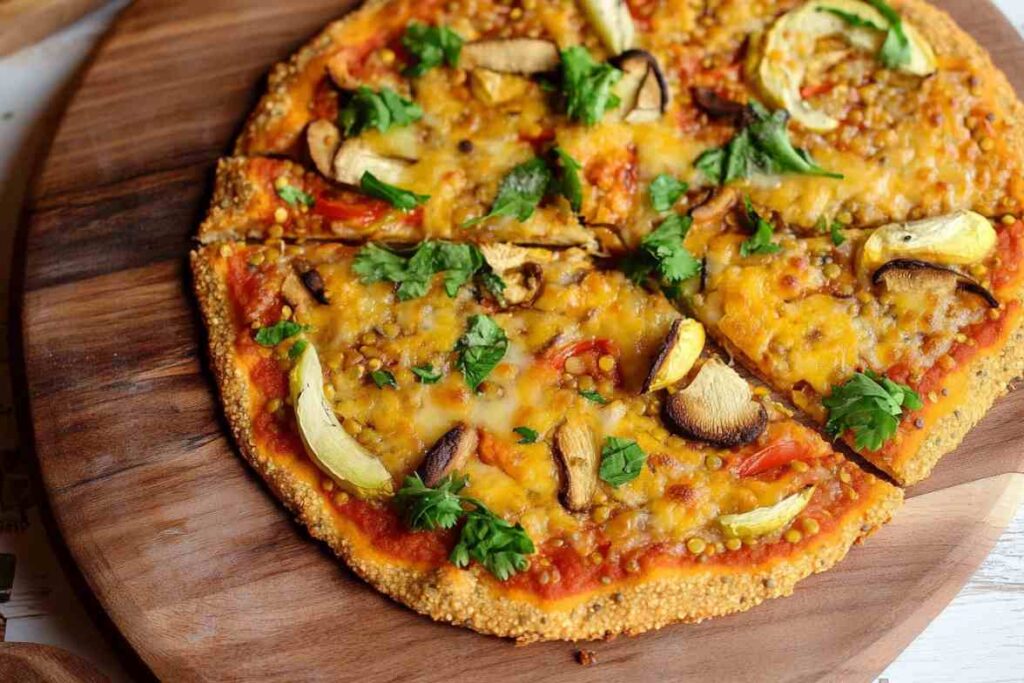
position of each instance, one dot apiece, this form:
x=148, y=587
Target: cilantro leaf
x=528, y=435
x=593, y=396
x=665, y=191
x=383, y=378
x=381, y=110
x=567, y=179
x=293, y=196
x=427, y=374
x=674, y=262
x=278, y=332
x=413, y=274
x=870, y=406
x=431, y=46
x=519, y=193
x=762, y=146
x=761, y=241
x=480, y=349
x=297, y=348
x=424, y=508
x=896, y=50
x=837, y=233
x=499, y=546
x=396, y=196
x=621, y=461
x=587, y=85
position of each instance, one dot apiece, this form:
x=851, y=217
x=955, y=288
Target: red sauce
x=350, y=208
x=253, y=301
x=325, y=100
x=387, y=532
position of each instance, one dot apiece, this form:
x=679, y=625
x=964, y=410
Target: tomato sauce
x=388, y=534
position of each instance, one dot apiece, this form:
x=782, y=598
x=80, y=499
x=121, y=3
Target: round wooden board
x=198, y=566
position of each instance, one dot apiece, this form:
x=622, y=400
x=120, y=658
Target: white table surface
x=979, y=637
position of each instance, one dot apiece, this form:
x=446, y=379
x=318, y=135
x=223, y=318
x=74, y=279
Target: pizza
x=563, y=320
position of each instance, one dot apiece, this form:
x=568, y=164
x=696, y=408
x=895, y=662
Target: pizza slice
x=517, y=440
x=898, y=339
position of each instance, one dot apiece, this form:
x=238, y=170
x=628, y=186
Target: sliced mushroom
x=718, y=107
x=323, y=138
x=678, y=353
x=355, y=158
x=492, y=87
x=314, y=283
x=578, y=462
x=295, y=293
x=449, y=454
x=909, y=275
x=520, y=270
x=511, y=55
x=613, y=23
x=958, y=239
x=717, y=407
x=643, y=88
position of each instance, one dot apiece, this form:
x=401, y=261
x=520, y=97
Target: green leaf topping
x=383, y=378
x=423, y=508
x=278, y=332
x=665, y=191
x=480, y=349
x=870, y=406
x=396, y=196
x=566, y=180
x=621, y=461
x=520, y=192
x=499, y=546
x=587, y=85
x=763, y=146
x=427, y=374
x=528, y=435
x=593, y=396
x=431, y=46
x=414, y=273
x=662, y=252
x=297, y=348
x=896, y=50
x=293, y=196
x=761, y=241
x=381, y=110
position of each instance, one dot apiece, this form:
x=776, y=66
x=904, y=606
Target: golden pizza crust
x=471, y=597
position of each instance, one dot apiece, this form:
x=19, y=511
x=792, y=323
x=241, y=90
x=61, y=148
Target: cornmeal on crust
x=655, y=595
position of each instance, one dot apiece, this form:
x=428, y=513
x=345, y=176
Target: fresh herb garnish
x=665, y=191
x=593, y=396
x=499, y=546
x=293, y=196
x=380, y=110
x=519, y=193
x=870, y=406
x=896, y=50
x=587, y=85
x=761, y=241
x=528, y=435
x=396, y=196
x=835, y=230
x=485, y=537
x=621, y=461
x=763, y=146
x=427, y=374
x=413, y=274
x=425, y=508
x=480, y=349
x=566, y=180
x=278, y=332
x=431, y=46
x=297, y=348
x=662, y=252
x=383, y=378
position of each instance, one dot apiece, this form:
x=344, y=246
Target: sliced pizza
x=898, y=338
x=517, y=440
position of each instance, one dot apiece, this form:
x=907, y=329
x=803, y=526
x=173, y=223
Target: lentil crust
x=470, y=598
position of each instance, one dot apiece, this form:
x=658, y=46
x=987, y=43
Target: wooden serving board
x=201, y=570
x=23, y=22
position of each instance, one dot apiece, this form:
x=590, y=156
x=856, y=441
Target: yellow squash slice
x=958, y=239
x=766, y=520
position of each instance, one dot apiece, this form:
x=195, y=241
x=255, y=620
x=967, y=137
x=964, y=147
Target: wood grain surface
x=23, y=22
x=202, y=571
x=31, y=663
